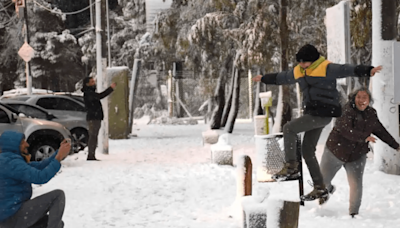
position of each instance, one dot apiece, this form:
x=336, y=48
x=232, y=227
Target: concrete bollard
x=210, y=137
x=222, y=152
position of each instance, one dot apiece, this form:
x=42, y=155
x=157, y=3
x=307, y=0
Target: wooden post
x=289, y=215
x=244, y=176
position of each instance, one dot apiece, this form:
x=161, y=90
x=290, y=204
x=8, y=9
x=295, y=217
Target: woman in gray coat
x=347, y=145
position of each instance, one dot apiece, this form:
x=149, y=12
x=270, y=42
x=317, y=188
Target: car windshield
x=30, y=110
x=9, y=108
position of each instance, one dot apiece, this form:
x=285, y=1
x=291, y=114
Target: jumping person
x=317, y=79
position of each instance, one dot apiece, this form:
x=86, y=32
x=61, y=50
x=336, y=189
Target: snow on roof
x=24, y=91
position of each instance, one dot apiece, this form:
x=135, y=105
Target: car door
x=6, y=122
x=62, y=107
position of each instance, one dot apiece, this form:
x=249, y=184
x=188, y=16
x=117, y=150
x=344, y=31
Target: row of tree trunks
x=219, y=97
x=228, y=103
x=235, y=103
x=230, y=109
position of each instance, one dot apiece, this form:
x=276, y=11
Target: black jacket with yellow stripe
x=318, y=86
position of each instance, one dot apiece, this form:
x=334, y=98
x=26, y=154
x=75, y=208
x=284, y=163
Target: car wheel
x=43, y=149
x=81, y=139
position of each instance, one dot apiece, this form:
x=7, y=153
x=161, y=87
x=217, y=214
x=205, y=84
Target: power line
x=63, y=13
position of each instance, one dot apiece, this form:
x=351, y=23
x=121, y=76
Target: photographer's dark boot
x=289, y=171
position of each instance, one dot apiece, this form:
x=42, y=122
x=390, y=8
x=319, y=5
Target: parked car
x=59, y=105
x=77, y=126
x=44, y=137
x=62, y=107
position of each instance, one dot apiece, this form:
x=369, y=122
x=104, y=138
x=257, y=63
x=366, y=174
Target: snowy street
x=163, y=178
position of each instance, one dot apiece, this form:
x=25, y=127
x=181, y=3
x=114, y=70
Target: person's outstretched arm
x=381, y=132
x=107, y=92
x=41, y=164
x=21, y=170
x=281, y=78
x=348, y=70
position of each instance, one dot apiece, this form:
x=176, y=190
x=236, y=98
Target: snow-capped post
x=244, y=172
x=383, y=40
x=222, y=151
x=119, y=127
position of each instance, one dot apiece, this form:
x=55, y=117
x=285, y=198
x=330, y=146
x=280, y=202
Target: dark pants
x=94, y=127
x=312, y=127
x=33, y=213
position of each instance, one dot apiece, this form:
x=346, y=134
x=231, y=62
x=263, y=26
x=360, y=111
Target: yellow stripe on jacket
x=319, y=71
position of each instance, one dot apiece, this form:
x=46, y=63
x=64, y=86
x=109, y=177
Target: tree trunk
x=219, y=99
x=258, y=109
x=235, y=103
x=228, y=103
x=179, y=95
x=284, y=38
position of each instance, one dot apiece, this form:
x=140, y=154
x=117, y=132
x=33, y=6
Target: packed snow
x=164, y=178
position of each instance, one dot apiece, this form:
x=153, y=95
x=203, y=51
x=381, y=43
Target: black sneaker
x=317, y=193
x=289, y=171
x=331, y=190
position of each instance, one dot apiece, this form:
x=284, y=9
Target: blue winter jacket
x=16, y=175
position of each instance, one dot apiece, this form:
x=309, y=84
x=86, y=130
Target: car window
x=4, y=117
x=70, y=105
x=30, y=111
x=48, y=102
x=59, y=103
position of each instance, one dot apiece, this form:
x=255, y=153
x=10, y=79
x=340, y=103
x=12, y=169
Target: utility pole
x=101, y=64
x=26, y=52
x=28, y=64
x=384, y=33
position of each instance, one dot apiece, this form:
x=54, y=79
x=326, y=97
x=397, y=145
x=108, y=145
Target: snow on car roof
x=24, y=91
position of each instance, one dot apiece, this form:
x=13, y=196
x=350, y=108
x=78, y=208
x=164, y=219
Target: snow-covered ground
x=163, y=178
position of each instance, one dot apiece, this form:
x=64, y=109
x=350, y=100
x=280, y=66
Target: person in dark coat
x=94, y=114
x=317, y=79
x=17, y=173
x=347, y=145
